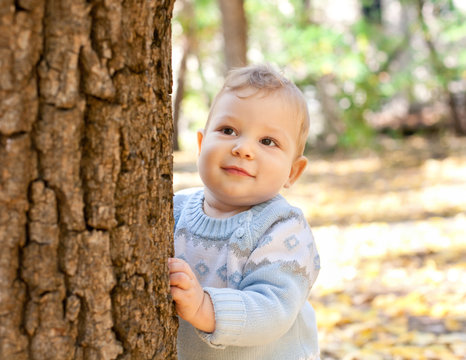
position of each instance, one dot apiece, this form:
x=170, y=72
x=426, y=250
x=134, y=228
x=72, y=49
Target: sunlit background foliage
x=365, y=66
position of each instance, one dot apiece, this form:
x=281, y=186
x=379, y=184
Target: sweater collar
x=205, y=226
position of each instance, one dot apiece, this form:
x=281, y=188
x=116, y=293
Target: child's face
x=248, y=151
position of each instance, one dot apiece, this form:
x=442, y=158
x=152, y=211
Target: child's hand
x=192, y=303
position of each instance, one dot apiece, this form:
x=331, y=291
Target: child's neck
x=217, y=209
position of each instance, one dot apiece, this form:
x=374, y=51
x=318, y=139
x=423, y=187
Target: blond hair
x=264, y=79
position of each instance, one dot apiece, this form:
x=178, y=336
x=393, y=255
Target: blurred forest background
x=366, y=66
x=385, y=189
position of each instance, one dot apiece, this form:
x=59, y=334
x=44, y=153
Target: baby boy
x=246, y=259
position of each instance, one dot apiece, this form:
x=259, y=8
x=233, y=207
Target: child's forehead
x=287, y=103
x=251, y=97
x=273, y=101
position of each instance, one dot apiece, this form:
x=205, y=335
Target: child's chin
x=245, y=200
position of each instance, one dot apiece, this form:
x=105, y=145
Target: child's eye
x=268, y=142
x=228, y=131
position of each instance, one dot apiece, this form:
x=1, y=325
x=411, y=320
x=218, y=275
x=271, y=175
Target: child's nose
x=243, y=149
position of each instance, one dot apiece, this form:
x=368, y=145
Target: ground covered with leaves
x=390, y=226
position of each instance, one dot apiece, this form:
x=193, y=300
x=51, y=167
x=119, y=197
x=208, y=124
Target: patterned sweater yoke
x=258, y=267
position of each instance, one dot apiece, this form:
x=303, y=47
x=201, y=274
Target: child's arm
x=192, y=303
x=275, y=284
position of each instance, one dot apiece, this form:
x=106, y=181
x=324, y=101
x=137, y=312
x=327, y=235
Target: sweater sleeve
x=276, y=281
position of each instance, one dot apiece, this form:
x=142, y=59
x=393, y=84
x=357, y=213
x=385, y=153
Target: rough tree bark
x=234, y=32
x=85, y=180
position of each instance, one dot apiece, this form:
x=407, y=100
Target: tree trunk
x=179, y=95
x=333, y=123
x=186, y=17
x=445, y=74
x=85, y=180
x=234, y=32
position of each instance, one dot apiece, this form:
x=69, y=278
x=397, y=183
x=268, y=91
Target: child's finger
x=180, y=280
x=178, y=265
x=176, y=293
x=176, y=260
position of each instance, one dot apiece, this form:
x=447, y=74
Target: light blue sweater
x=258, y=268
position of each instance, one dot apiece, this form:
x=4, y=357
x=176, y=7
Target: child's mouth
x=234, y=170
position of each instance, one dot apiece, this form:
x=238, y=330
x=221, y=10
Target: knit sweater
x=258, y=267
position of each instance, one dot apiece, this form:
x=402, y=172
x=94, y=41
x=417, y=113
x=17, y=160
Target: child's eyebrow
x=226, y=116
x=275, y=130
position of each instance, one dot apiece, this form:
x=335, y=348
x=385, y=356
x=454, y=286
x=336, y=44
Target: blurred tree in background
x=234, y=32
x=365, y=66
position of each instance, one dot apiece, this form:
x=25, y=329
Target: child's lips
x=235, y=170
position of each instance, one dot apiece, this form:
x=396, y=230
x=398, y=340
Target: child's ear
x=200, y=137
x=296, y=170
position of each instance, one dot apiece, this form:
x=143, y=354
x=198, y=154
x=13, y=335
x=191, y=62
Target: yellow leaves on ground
x=404, y=302
x=394, y=305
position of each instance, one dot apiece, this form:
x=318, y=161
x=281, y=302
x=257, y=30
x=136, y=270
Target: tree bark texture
x=234, y=32
x=85, y=180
